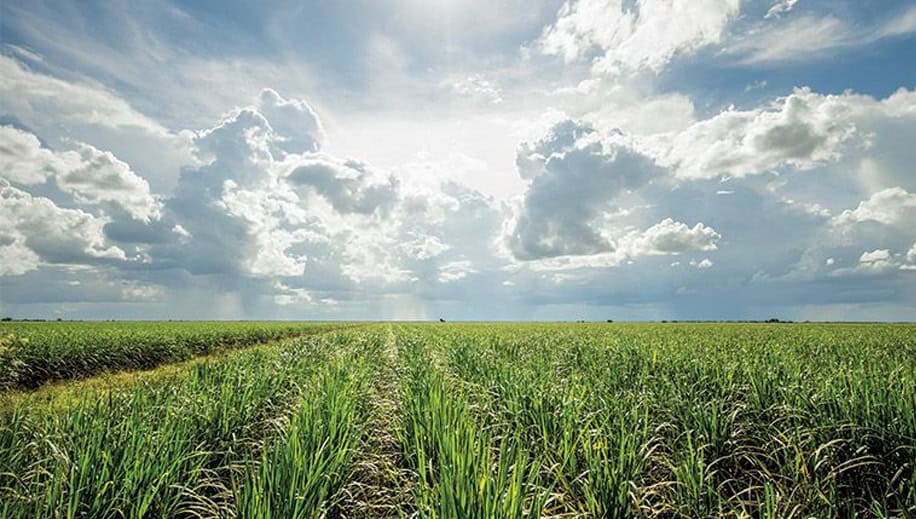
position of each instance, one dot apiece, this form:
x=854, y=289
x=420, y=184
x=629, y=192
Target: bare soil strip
x=381, y=487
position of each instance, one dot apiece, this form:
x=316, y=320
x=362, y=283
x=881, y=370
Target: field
x=302, y=420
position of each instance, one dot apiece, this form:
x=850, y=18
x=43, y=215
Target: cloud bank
x=556, y=163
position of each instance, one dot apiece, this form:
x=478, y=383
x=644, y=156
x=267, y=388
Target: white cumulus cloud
x=669, y=237
x=35, y=230
x=630, y=36
x=92, y=176
x=889, y=207
x=802, y=131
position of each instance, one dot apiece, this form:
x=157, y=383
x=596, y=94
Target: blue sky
x=408, y=159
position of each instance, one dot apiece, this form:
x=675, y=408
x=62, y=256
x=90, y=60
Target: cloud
x=23, y=53
x=871, y=263
x=861, y=144
x=284, y=295
x=17, y=257
x=423, y=247
x=802, y=38
x=82, y=193
x=647, y=35
x=880, y=262
x=25, y=161
x=892, y=206
x=778, y=223
x=40, y=97
x=91, y=176
x=669, y=237
x=268, y=218
x=349, y=186
x=780, y=7
x=703, y=264
x=455, y=270
x=812, y=36
x=575, y=177
x=844, y=134
x=133, y=291
x=801, y=131
x=899, y=25
x=100, y=177
x=296, y=124
x=476, y=86
x=231, y=207
x=309, y=222
x=572, y=207
x=55, y=110
x=666, y=238
x=875, y=256
x=531, y=157
x=36, y=231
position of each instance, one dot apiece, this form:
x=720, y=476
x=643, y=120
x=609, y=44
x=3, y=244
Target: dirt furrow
x=381, y=486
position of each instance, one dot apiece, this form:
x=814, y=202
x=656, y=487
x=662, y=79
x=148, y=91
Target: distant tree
x=6, y=319
x=441, y=320
x=610, y=320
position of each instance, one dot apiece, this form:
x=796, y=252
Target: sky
x=469, y=160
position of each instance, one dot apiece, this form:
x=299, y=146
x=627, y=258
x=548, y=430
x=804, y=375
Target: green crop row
x=265, y=432
x=490, y=421
x=681, y=420
x=33, y=353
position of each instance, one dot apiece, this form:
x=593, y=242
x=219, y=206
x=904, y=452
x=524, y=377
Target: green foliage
x=152, y=451
x=63, y=351
x=301, y=474
x=486, y=421
x=11, y=362
x=694, y=420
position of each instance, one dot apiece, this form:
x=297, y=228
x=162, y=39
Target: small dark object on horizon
x=441, y=320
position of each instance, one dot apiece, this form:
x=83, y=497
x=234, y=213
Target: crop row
x=689, y=421
x=492, y=421
x=265, y=432
x=32, y=354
